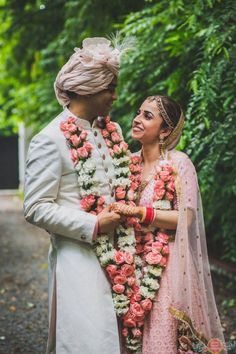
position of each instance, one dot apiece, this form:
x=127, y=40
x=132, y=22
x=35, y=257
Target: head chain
x=163, y=112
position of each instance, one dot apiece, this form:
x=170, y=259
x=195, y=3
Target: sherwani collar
x=82, y=122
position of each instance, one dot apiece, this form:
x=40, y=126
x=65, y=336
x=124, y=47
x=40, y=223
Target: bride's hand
x=126, y=210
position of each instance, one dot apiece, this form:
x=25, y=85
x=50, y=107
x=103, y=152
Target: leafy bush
x=185, y=49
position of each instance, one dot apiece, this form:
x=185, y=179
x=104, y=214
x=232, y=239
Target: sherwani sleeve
x=42, y=182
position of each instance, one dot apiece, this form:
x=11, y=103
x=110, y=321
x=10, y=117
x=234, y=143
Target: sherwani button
x=112, y=194
x=83, y=237
x=95, y=133
x=103, y=157
x=99, y=146
x=110, y=180
x=106, y=169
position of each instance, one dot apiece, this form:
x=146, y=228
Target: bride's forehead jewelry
x=163, y=112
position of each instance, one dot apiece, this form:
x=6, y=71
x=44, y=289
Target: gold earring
x=162, y=149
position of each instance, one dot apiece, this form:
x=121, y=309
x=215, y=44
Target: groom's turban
x=89, y=70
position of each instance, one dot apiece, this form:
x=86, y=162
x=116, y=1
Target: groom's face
x=102, y=101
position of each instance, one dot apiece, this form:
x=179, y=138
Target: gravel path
x=23, y=282
x=23, y=285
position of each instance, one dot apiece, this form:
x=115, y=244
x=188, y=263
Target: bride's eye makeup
x=148, y=115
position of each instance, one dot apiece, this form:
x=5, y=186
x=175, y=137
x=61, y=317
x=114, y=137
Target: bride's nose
x=137, y=118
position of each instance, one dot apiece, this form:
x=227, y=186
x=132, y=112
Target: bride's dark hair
x=172, y=108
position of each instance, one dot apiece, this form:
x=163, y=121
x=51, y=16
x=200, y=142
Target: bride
x=184, y=317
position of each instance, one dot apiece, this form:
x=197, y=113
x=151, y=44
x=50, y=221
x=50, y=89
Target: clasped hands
x=109, y=218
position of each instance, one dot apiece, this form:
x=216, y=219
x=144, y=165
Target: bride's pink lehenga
x=160, y=330
x=185, y=285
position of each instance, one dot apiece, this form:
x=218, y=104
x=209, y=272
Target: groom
x=82, y=318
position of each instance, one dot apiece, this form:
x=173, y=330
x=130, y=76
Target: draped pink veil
x=189, y=265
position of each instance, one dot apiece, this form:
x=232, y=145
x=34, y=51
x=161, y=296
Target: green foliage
x=185, y=49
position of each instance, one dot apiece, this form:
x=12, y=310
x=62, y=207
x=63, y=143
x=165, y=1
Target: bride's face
x=146, y=126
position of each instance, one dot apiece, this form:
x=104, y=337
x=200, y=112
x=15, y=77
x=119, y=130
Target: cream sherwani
x=82, y=317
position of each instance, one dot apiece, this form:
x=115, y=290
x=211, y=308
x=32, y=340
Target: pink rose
x=125, y=332
x=111, y=127
x=135, y=168
x=115, y=137
x=119, y=279
x=163, y=262
x=159, y=184
x=148, y=246
x=169, y=196
x=135, y=288
x=128, y=258
x=129, y=322
x=168, y=168
x=124, y=146
x=87, y=202
x=118, y=288
x=66, y=134
x=140, y=323
x=153, y=258
x=73, y=154
x=111, y=270
x=101, y=200
x=136, y=297
x=109, y=143
x=71, y=120
x=120, y=193
x=127, y=270
x=88, y=146
x=164, y=238
x=148, y=237
x=131, y=281
x=63, y=126
x=75, y=139
x=111, y=152
x=116, y=149
x=171, y=186
x=139, y=248
x=71, y=128
x=82, y=153
x=146, y=305
x=134, y=185
x=107, y=119
x=105, y=133
x=159, y=194
x=165, y=250
x=129, y=293
x=136, y=332
x=156, y=247
x=164, y=175
x=135, y=159
x=138, y=238
x=119, y=257
x=137, y=310
x=83, y=135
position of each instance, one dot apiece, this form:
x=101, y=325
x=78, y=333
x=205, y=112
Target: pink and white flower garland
x=135, y=266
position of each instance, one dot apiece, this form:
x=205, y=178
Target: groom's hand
x=107, y=220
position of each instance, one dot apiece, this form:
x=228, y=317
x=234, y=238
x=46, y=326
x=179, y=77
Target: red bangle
x=149, y=216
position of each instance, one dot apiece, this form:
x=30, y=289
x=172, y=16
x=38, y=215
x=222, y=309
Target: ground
x=23, y=285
